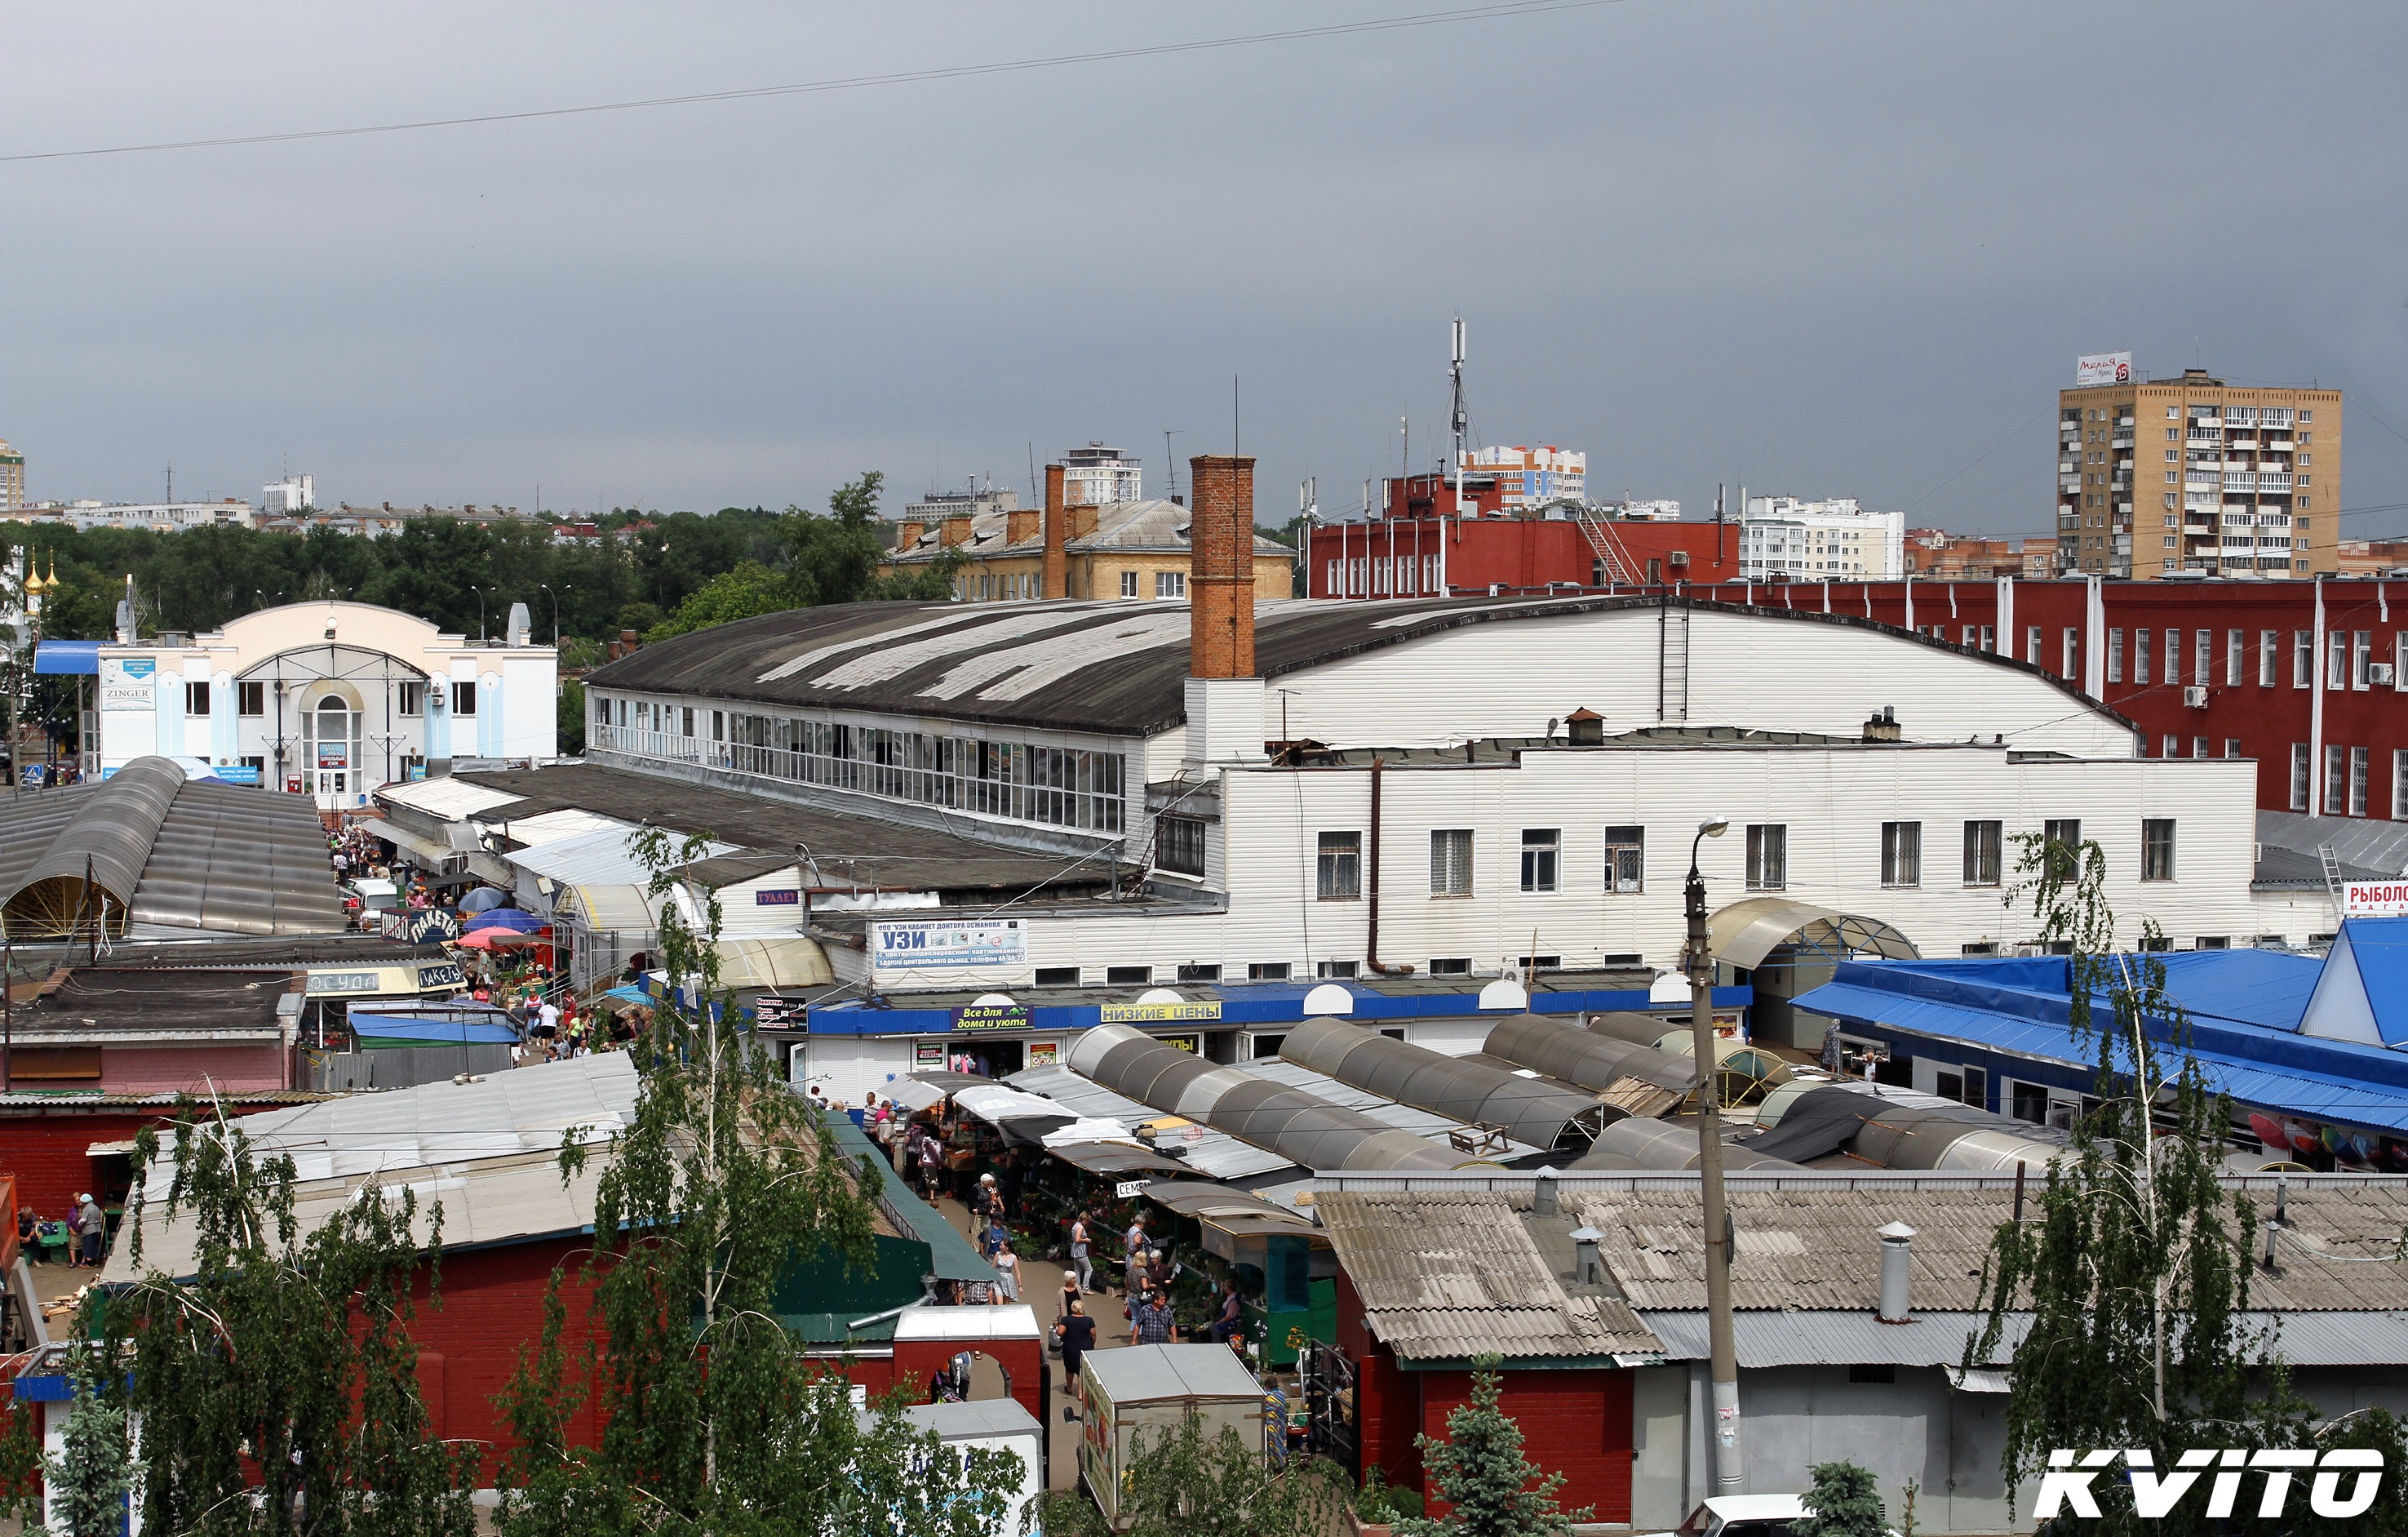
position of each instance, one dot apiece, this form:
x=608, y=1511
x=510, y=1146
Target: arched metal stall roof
x=1586, y=1059
x=1746, y=931
x=1303, y=1127
x=1528, y=1110
x=1665, y=1145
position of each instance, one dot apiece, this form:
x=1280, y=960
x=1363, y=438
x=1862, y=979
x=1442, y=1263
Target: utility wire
x=851, y=82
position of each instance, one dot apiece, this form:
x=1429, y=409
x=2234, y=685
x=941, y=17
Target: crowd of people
x=85, y=1226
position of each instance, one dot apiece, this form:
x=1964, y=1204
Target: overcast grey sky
x=1837, y=249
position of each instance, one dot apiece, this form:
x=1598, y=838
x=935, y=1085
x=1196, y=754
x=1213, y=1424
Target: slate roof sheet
x=1449, y=1278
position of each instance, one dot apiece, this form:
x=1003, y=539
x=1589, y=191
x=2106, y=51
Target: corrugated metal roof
x=1456, y=1277
x=1100, y=665
x=1819, y=1338
x=448, y=798
x=1149, y=1373
x=2340, y=1081
x=1421, y=1123
x=173, y=853
x=1215, y=1155
x=1805, y=1247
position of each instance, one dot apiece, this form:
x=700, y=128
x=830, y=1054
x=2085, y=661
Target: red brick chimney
x=1221, y=567
x=954, y=530
x=907, y=534
x=1020, y=523
x=1057, y=537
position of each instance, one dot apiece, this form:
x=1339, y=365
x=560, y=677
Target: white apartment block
x=159, y=517
x=1833, y=540
x=291, y=495
x=1530, y=476
x=1098, y=476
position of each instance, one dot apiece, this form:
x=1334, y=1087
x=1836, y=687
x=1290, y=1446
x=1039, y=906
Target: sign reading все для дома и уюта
x=938, y=944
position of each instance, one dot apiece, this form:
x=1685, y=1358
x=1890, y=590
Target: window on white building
x=2157, y=848
x=1901, y=854
x=1767, y=857
x=1337, y=868
x=2061, y=842
x=1542, y=852
x=1626, y=860
x=410, y=698
x=1450, y=862
x=251, y=699
x=1984, y=851
x=196, y=700
x=464, y=699
x=1179, y=844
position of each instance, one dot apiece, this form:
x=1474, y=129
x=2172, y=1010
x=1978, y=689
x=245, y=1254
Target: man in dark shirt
x=1151, y=1323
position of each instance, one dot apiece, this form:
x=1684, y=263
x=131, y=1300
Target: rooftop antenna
x=1462, y=421
x=1172, y=459
x=1233, y=416
x=1034, y=501
x=171, y=485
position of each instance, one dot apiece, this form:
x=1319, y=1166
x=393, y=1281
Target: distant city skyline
x=1835, y=253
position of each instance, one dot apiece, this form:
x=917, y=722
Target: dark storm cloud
x=1839, y=250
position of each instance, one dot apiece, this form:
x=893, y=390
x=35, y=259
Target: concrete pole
x=1730, y=1473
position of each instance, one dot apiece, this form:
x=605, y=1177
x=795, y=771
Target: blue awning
x=372, y=1027
x=2260, y=1067
x=72, y=657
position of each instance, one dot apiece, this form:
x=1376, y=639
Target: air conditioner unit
x=2195, y=697
x=1680, y=557
x=2379, y=674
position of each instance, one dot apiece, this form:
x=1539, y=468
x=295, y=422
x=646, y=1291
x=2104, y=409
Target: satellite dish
x=1160, y=995
x=1505, y=993
x=1671, y=988
x=1329, y=998
x=992, y=1000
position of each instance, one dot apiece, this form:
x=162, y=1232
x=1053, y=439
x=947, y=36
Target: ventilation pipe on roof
x=1895, y=1238
x=1588, y=1265
x=1542, y=1194
x=1371, y=896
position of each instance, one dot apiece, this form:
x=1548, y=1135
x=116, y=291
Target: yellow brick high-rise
x=2191, y=475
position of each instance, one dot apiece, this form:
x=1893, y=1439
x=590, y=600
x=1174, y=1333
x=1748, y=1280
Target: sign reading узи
x=929, y=944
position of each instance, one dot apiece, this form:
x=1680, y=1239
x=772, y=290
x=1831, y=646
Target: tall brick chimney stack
x=1221, y=567
x=1225, y=697
x=1057, y=537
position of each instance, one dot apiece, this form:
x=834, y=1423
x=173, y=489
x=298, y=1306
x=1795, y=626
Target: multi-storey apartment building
x=1833, y=540
x=1100, y=476
x=1530, y=477
x=2191, y=474
x=13, y=478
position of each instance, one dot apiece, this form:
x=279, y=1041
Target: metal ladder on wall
x=1672, y=661
x=2332, y=879
x=1612, y=558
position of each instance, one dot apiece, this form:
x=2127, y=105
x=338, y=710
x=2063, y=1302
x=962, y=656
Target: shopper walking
x=1079, y=1265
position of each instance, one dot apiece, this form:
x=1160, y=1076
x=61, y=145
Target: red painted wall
x=1516, y=555
x=2265, y=722
x=46, y=1152
x=1576, y=1422
x=240, y=1068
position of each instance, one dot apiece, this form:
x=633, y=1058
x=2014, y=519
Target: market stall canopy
x=378, y=1031
x=1115, y=1158
x=1026, y=1116
x=1745, y=932
x=507, y=917
x=485, y=897
x=791, y=962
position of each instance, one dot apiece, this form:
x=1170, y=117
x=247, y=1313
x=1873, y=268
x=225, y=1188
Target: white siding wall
x=1768, y=674
x=1832, y=801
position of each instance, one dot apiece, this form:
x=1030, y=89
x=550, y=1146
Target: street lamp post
x=555, y=609
x=1730, y=1473
x=481, y=613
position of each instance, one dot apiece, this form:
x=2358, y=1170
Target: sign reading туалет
x=936, y=944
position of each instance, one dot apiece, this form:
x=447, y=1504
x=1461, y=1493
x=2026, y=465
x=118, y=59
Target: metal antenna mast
x=1170, y=461
x=1462, y=418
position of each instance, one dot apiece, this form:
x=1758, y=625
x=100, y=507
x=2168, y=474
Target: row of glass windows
x=1021, y=781
x=2347, y=774
x=1338, y=866
x=251, y=699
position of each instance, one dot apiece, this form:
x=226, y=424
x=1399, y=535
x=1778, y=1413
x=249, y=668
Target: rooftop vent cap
x=1542, y=1194
x=1588, y=1266
x=1894, y=1302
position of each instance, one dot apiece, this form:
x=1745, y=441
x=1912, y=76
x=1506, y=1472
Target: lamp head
x=1714, y=826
